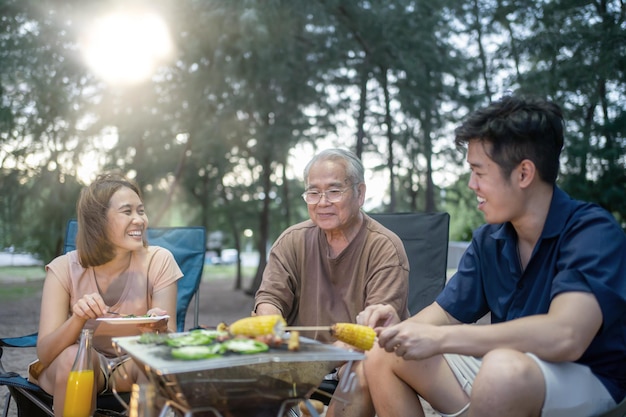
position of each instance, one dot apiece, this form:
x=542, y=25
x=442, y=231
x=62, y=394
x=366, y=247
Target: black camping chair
x=187, y=244
x=425, y=238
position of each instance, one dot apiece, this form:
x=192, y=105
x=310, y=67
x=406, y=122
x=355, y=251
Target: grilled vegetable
x=246, y=346
x=198, y=352
x=195, y=338
x=294, y=341
x=357, y=335
x=153, y=338
x=258, y=326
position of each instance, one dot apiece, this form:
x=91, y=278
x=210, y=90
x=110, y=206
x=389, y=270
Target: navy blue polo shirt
x=581, y=248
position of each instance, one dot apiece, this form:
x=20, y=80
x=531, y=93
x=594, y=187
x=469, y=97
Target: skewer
x=360, y=336
x=306, y=328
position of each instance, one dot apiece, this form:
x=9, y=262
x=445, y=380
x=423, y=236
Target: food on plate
x=249, y=336
x=357, y=335
x=198, y=352
x=130, y=319
x=294, y=341
x=197, y=338
x=245, y=346
x=258, y=326
x=273, y=340
x=204, y=344
x=153, y=338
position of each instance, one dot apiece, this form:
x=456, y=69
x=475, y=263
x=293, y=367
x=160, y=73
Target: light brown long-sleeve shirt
x=312, y=289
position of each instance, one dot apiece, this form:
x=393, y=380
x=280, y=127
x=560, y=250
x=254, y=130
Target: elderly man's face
x=331, y=175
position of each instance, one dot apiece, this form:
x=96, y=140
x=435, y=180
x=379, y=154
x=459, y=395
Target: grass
x=214, y=272
x=22, y=273
x=18, y=291
x=19, y=282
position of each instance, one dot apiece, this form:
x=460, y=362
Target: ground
x=19, y=315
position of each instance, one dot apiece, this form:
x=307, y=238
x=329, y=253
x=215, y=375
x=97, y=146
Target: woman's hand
x=90, y=306
x=157, y=326
x=156, y=311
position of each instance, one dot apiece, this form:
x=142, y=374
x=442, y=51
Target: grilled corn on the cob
x=294, y=341
x=357, y=335
x=258, y=326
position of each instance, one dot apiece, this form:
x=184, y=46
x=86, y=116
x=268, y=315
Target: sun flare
x=126, y=48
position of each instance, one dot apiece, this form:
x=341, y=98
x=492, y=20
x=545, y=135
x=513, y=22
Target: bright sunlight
x=126, y=47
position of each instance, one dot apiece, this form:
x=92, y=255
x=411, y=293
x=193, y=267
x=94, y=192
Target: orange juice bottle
x=80, y=383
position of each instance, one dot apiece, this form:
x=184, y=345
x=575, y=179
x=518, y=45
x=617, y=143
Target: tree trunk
x=481, y=49
x=360, y=133
x=428, y=154
x=235, y=231
x=390, y=140
x=263, y=226
x=172, y=189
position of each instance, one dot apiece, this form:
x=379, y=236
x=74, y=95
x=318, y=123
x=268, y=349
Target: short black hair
x=518, y=128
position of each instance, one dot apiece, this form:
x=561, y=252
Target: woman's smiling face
x=127, y=220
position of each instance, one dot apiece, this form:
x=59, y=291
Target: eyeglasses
x=332, y=196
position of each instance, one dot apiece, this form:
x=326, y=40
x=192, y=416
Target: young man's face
x=498, y=198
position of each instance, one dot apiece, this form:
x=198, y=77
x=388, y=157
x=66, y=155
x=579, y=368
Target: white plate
x=131, y=320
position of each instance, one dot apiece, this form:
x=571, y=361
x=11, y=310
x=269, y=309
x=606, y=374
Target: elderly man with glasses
x=328, y=269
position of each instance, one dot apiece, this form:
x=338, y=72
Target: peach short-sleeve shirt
x=149, y=271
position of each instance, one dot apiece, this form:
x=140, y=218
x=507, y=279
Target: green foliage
x=460, y=203
x=577, y=56
x=210, y=135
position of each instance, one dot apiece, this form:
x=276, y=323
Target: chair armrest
x=20, y=341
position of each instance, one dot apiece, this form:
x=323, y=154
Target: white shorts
x=572, y=390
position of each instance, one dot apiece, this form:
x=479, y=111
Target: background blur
x=214, y=106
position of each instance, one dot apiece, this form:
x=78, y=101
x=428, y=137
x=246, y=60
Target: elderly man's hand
x=378, y=315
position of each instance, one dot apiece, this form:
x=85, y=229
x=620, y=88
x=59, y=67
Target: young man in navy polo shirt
x=551, y=271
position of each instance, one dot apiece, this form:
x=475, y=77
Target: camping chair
x=425, y=239
x=187, y=244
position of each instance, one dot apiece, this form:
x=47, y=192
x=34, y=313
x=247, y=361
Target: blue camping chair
x=187, y=244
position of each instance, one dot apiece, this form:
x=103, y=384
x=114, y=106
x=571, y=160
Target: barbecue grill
x=254, y=385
